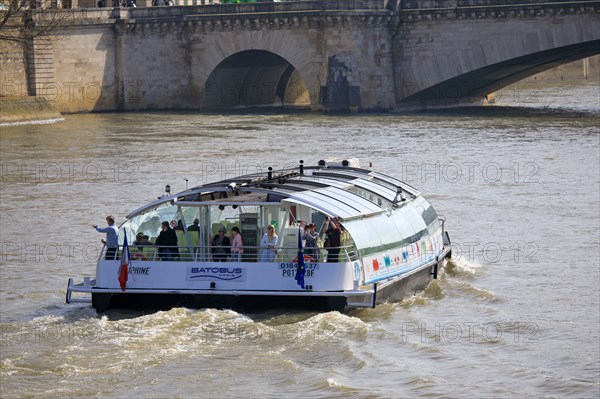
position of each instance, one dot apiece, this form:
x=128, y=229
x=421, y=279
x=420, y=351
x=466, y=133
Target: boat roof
x=343, y=191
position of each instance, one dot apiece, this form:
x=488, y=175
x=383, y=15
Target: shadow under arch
x=474, y=86
x=253, y=79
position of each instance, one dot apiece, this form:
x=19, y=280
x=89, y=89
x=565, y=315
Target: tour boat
x=390, y=243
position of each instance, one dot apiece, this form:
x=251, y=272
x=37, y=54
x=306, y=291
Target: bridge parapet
x=300, y=8
x=382, y=10
x=330, y=10
x=429, y=4
x=477, y=9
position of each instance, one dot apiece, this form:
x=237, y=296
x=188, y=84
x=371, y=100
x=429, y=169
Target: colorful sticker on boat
x=356, y=271
x=386, y=260
x=375, y=264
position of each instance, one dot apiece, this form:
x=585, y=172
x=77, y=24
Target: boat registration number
x=288, y=269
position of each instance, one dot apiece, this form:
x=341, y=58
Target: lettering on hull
x=234, y=274
x=143, y=271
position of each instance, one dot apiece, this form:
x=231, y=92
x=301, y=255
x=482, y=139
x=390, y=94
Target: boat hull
x=393, y=289
x=243, y=303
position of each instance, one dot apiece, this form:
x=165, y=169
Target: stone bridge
x=328, y=55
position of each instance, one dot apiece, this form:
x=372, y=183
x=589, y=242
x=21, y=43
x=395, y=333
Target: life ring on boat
x=138, y=256
x=307, y=258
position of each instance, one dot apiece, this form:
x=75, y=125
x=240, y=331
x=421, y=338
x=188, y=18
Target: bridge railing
x=297, y=5
x=184, y=8
x=413, y=10
x=438, y=4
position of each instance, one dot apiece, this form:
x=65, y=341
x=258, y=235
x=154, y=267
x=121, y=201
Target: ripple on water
x=471, y=291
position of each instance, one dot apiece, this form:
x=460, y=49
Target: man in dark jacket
x=167, y=243
x=334, y=236
x=220, y=246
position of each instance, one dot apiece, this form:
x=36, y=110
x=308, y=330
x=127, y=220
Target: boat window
x=352, y=199
x=427, y=212
x=148, y=222
x=365, y=236
x=410, y=223
x=387, y=230
x=188, y=214
x=223, y=215
x=372, y=197
x=383, y=192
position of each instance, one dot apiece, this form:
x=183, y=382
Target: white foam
x=463, y=265
x=34, y=122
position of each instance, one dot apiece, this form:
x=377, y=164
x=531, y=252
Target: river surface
x=515, y=314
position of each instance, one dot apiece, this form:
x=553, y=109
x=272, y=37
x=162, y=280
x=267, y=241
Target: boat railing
x=208, y=253
x=442, y=220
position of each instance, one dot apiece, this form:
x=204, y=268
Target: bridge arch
x=477, y=84
x=460, y=57
x=255, y=78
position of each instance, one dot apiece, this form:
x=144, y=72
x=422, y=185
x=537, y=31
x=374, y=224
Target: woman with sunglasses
x=269, y=244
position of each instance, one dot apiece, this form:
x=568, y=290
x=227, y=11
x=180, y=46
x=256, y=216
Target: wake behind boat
x=332, y=237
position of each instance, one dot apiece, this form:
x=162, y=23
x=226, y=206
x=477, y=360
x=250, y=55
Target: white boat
x=392, y=243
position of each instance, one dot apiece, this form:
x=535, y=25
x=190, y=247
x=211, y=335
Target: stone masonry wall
x=155, y=67
x=13, y=83
x=117, y=64
x=85, y=70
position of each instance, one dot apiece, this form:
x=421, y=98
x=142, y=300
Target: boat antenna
x=186, y=182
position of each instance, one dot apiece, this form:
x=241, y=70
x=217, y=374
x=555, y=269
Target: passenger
x=142, y=241
x=269, y=244
x=167, y=243
x=146, y=241
x=220, y=246
x=334, y=236
x=195, y=226
x=112, y=237
x=237, y=245
x=139, y=237
x=311, y=235
x=303, y=226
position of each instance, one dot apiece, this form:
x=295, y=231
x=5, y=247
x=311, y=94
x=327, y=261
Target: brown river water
x=515, y=314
